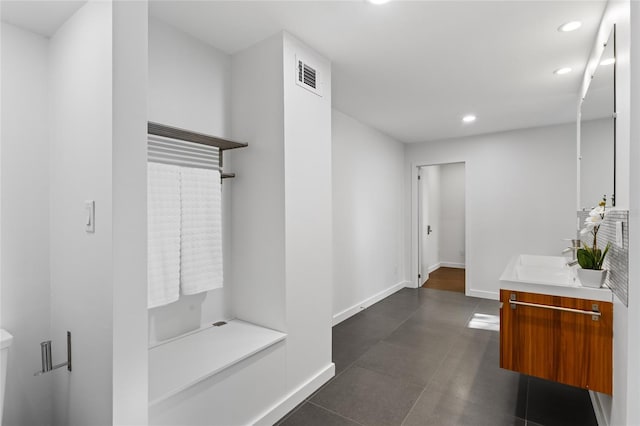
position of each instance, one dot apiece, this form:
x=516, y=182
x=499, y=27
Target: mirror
x=598, y=133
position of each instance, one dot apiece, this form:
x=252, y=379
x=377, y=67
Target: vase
x=592, y=277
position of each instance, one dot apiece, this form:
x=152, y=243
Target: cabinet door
x=567, y=347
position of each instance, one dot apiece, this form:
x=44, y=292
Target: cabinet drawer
x=557, y=338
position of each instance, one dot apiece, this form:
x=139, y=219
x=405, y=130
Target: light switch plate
x=89, y=216
x=619, y=234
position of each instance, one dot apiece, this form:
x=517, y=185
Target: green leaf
x=604, y=253
x=597, y=258
x=585, y=259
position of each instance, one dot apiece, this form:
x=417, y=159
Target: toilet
x=5, y=341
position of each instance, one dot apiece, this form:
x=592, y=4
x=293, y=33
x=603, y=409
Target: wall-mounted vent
x=307, y=76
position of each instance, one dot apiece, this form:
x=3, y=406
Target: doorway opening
x=441, y=227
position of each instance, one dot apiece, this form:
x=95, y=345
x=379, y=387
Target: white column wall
x=81, y=169
x=308, y=217
x=129, y=154
x=25, y=309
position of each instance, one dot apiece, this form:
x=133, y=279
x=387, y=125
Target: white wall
x=520, y=197
x=452, y=215
x=189, y=87
x=633, y=370
x=81, y=264
x=626, y=347
x=189, y=81
x=25, y=223
x=368, y=214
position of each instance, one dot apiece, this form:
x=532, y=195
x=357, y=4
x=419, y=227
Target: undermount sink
x=556, y=262
x=539, y=275
x=547, y=275
x=551, y=270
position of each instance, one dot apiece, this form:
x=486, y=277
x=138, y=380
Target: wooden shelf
x=180, y=363
x=189, y=136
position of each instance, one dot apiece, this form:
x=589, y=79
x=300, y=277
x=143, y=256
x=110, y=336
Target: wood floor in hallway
x=449, y=279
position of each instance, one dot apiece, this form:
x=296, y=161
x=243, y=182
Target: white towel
x=163, y=239
x=201, y=230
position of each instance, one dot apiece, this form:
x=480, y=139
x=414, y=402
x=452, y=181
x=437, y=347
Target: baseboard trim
x=598, y=409
x=292, y=400
x=434, y=267
x=349, y=312
x=482, y=294
x=452, y=265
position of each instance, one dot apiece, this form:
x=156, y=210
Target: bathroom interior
x=321, y=116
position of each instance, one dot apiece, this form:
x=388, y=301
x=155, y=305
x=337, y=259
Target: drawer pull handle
x=594, y=314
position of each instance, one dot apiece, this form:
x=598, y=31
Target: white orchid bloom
x=585, y=231
x=598, y=211
x=592, y=221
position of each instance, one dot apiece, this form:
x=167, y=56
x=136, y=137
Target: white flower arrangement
x=591, y=257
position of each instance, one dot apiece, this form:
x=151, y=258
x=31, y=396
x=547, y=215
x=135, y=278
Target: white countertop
x=554, y=279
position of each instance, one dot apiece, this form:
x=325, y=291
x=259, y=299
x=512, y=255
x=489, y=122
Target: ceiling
x=42, y=17
x=412, y=69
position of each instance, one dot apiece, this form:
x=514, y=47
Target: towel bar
x=595, y=314
x=557, y=308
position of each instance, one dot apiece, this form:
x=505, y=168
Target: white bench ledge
x=182, y=362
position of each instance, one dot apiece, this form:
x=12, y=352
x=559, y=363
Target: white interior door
x=423, y=226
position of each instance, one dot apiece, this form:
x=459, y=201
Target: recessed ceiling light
x=570, y=26
x=561, y=71
x=469, y=118
x=608, y=61
x=378, y=1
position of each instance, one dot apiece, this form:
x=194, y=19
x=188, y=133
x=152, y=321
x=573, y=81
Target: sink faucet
x=573, y=249
x=571, y=263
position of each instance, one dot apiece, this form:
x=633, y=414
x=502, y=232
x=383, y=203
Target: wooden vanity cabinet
x=568, y=347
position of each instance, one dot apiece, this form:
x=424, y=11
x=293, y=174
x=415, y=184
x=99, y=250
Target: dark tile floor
x=413, y=359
